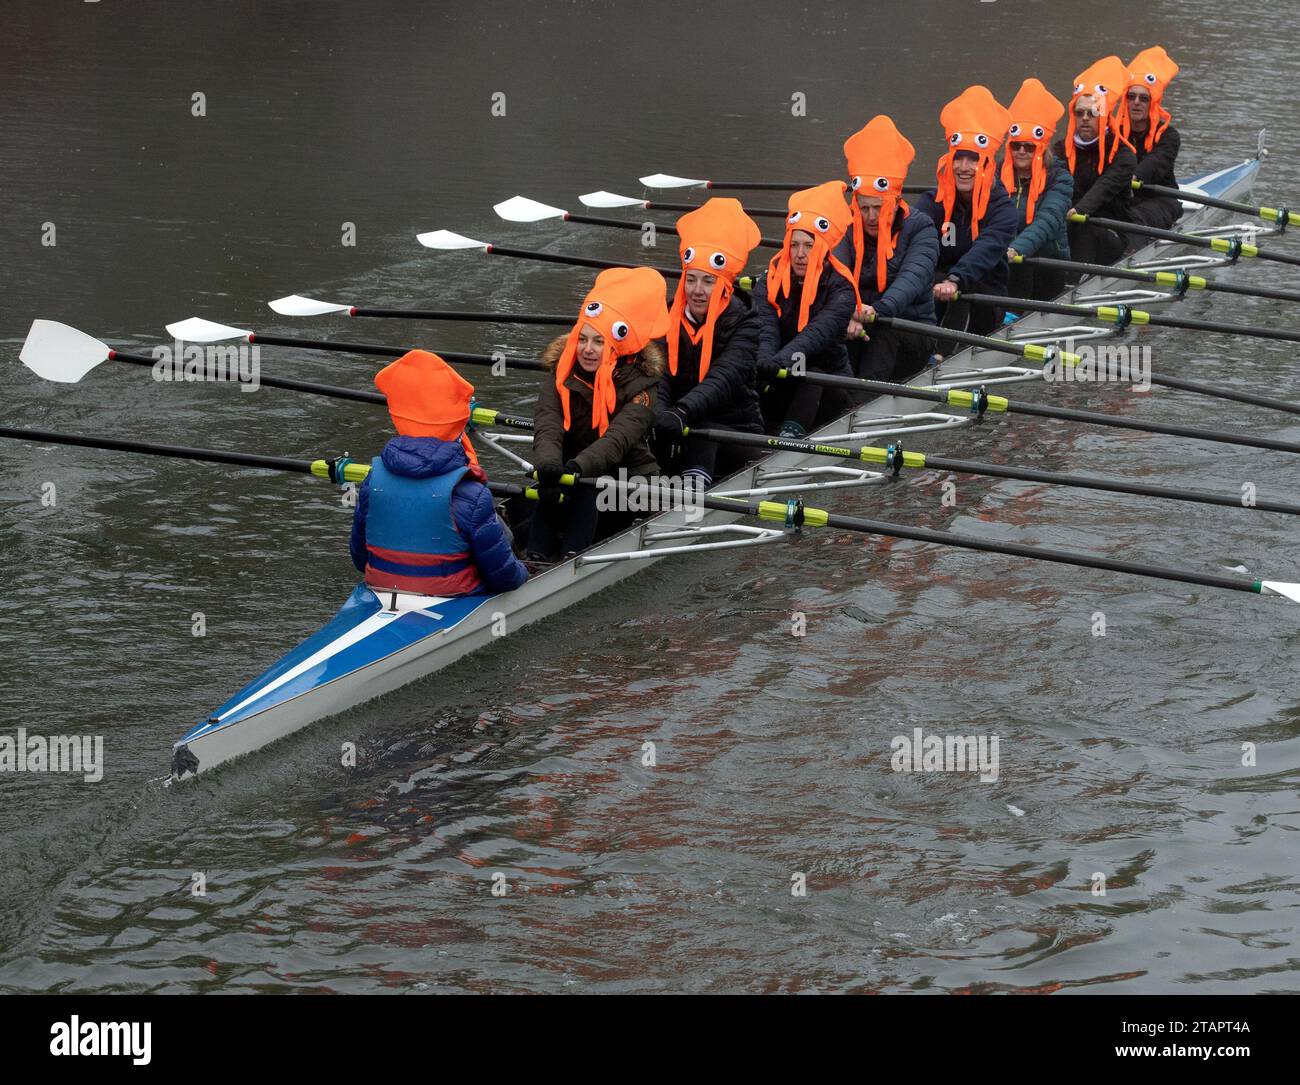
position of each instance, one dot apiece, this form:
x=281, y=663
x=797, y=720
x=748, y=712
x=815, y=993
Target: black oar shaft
x=624, y=224
x=455, y=314
x=383, y=350
x=1216, y=243
x=1272, y=214
x=575, y=261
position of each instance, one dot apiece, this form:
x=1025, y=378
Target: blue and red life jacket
x=412, y=542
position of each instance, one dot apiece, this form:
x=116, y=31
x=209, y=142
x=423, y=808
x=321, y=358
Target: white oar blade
x=297, y=305
x=522, y=209
x=1280, y=587
x=198, y=330
x=56, y=352
x=667, y=180
x=609, y=199
x=448, y=241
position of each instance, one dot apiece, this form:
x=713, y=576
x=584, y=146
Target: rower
x=595, y=415
x=1100, y=159
x=1041, y=189
x=971, y=208
x=895, y=276
x=1155, y=141
x=804, y=301
x=712, y=347
x=424, y=521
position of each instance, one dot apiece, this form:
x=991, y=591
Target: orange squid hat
x=716, y=238
x=427, y=398
x=1153, y=69
x=1106, y=81
x=877, y=156
x=628, y=307
x=973, y=121
x=1034, y=116
x=822, y=212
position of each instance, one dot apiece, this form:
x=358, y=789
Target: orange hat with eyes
x=821, y=212
x=1034, y=115
x=1153, y=69
x=427, y=398
x=627, y=307
x=1105, y=82
x=877, y=156
x=716, y=238
x=974, y=122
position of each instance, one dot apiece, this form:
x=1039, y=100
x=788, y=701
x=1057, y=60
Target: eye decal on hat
x=855, y=184
x=620, y=330
x=592, y=308
x=822, y=223
x=981, y=140
x=1039, y=131
x=1078, y=88
x=1150, y=78
x=1101, y=88
x=688, y=255
x=955, y=139
x=1014, y=131
x=718, y=260
x=794, y=217
x=881, y=184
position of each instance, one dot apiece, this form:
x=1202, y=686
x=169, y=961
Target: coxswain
x=1041, y=190
x=594, y=416
x=893, y=254
x=1155, y=140
x=424, y=520
x=970, y=207
x=804, y=301
x=712, y=347
x=1100, y=159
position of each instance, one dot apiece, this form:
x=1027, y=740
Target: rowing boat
x=377, y=643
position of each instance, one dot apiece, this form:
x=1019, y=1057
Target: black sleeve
x=1113, y=183
x=1159, y=161
x=731, y=369
x=828, y=328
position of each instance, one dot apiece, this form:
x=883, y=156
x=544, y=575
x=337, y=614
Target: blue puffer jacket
x=909, y=273
x=472, y=510
x=1047, y=235
x=979, y=265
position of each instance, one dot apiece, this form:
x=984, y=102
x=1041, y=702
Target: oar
x=668, y=180
x=895, y=458
x=339, y=470
x=1232, y=246
x=197, y=330
x=796, y=514
x=446, y=241
x=1038, y=353
x=57, y=352
x=603, y=199
x=1179, y=281
x=1268, y=214
x=980, y=401
x=297, y=305
x=792, y=513
x=1123, y=315
x=522, y=209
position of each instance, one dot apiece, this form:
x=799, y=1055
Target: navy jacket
x=909, y=273
x=726, y=396
x=1105, y=193
x=472, y=510
x=980, y=266
x=1047, y=234
x=822, y=340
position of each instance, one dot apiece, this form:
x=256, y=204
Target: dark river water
x=1120, y=755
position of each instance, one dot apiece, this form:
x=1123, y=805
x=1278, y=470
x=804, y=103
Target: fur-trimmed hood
x=651, y=361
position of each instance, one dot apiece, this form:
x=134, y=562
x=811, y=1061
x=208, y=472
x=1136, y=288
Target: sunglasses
x=1023, y=148
x=1084, y=114
x=1136, y=96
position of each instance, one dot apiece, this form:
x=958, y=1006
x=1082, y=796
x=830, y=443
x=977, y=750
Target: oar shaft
x=624, y=224
x=574, y=261
x=383, y=350
x=1218, y=244
x=454, y=314
x=1159, y=278
x=1269, y=214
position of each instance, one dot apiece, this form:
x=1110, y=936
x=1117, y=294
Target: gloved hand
x=767, y=370
x=670, y=425
x=572, y=468
x=548, y=483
